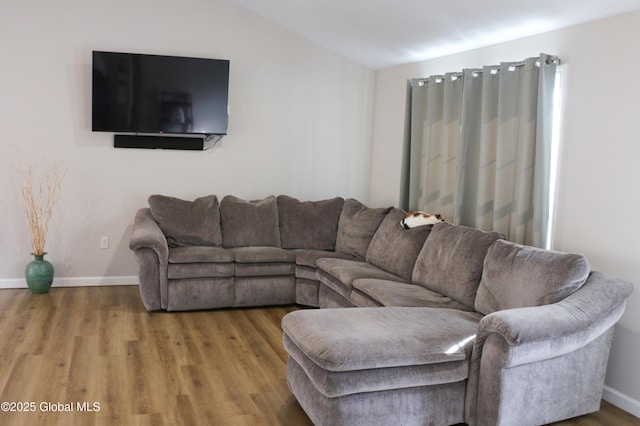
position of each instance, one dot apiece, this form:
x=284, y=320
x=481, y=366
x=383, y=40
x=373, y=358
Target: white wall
x=300, y=122
x=599, y=194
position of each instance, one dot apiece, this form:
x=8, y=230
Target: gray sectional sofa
x=453, y=324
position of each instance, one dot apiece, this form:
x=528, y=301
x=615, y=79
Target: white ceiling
x=382, y=33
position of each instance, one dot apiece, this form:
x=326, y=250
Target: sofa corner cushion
x=394, y=248
x=452, y=259
x=309, y=224
x=357, y=226
x=517, y=276
x=186, y=223
x=249, y=223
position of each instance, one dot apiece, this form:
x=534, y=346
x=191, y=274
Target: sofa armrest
x=565, y=345
x=543, y=332
x=147, y=234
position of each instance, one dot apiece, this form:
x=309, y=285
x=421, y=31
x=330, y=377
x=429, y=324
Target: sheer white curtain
x=478, y=146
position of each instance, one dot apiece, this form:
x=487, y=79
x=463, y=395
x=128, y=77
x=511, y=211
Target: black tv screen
x=138, y=93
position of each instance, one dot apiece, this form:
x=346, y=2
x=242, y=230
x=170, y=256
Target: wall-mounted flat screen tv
x=154, y=94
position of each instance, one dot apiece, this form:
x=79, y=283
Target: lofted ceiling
x=383, y=33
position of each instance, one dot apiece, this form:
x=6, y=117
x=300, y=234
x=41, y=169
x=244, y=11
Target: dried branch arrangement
x=38, y=202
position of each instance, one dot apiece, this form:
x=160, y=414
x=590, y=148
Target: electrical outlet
x=104, y=242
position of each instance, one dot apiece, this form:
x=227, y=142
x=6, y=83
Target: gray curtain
x=478, y=147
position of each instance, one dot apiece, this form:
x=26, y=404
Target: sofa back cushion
x=188, y=223
x=451, y=261
x=357, y=226
x=249, y=223
x=517, y=276
x=394, y=248
x=309, y=224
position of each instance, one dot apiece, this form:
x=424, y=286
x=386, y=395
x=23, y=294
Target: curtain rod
x=550, y=59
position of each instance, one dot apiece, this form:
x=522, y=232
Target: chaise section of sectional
x=380, y=366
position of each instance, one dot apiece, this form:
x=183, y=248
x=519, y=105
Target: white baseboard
x=620, y=400
x=73, y=282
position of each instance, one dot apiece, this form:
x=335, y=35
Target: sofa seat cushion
x=339, y=274
x=199, y=270
x=263, y=261
x=262, y=255
x=200, y=254
x=305, y=257
x=334, y=384
x=272, y=269
x=306, y=261
x=394, y=248
x=309, y=224
x=371, y=338
x=451, y=261
x=393, y=293
x=200, y=262
x=517, y=276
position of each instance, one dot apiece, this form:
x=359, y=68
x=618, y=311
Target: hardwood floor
x=95, y=352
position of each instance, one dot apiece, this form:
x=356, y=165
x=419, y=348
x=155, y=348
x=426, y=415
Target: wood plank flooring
x=94, y=356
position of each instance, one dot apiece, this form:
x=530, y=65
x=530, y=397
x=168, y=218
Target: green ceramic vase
x=39, y=274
